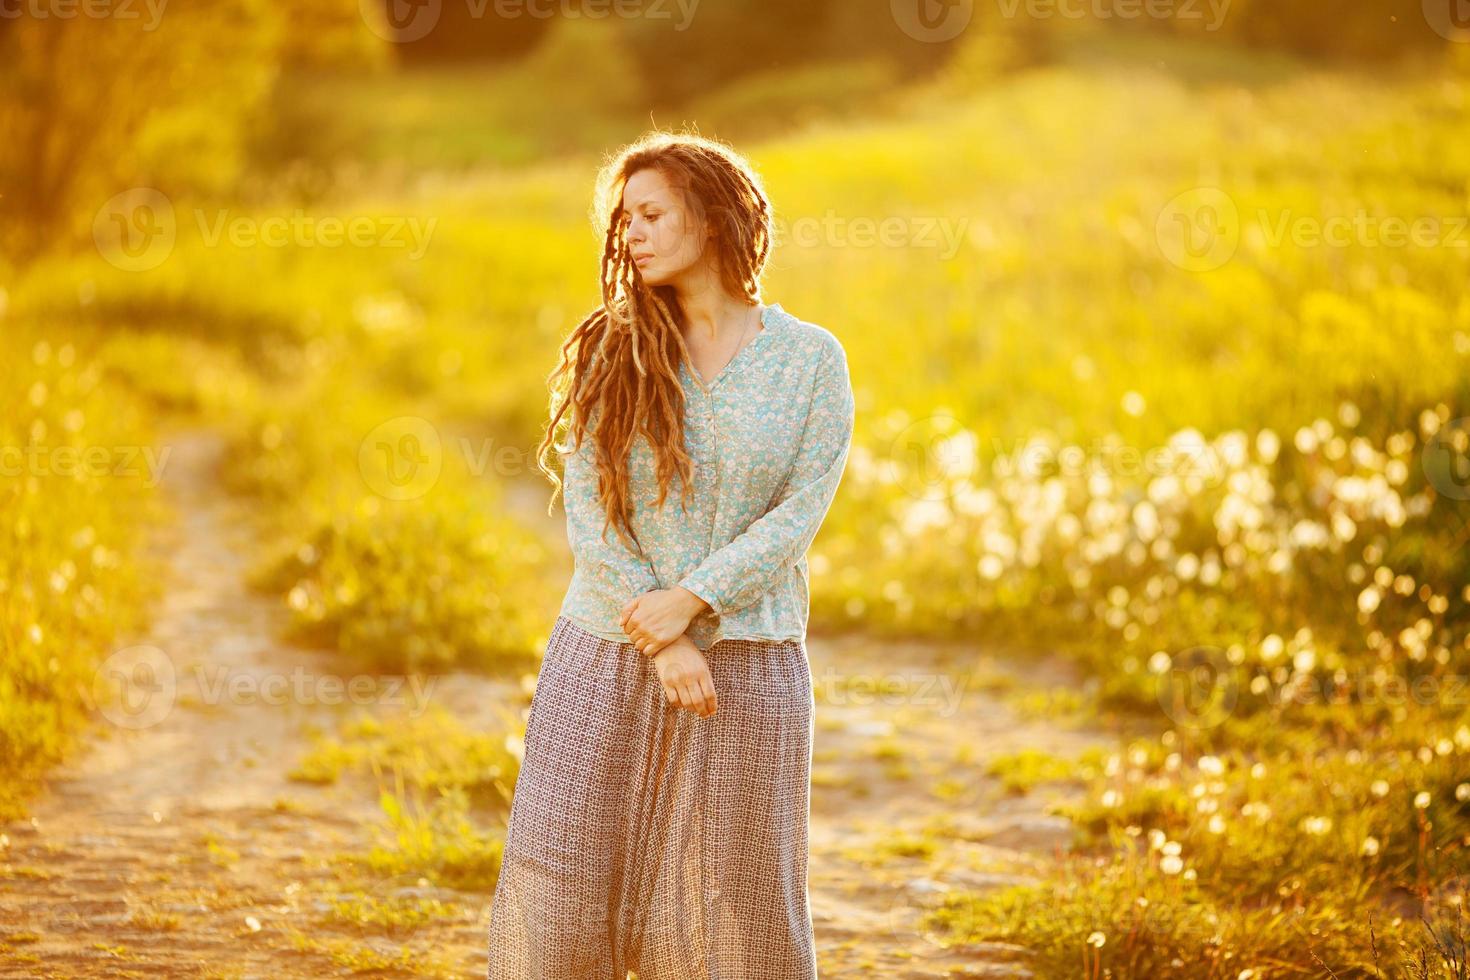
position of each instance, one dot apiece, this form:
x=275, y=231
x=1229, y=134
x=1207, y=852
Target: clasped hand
x=656, y=622
x=655, y=619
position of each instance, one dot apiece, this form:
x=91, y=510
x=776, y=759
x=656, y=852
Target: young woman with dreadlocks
x=659, y=821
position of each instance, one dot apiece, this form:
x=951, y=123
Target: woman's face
x=665, y=233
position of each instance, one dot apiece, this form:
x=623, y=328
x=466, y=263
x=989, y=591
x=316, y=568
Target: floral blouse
x=769, y=440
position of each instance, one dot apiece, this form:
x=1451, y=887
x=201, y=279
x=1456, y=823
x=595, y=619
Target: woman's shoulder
x=808, y=339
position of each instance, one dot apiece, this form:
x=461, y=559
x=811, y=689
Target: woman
x=659, y=823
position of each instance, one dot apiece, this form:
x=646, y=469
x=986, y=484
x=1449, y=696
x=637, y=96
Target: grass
x=444, y=791
x=438, y=839
x=358, y=958
x=1040, y=301
x=78, y=489
x=154, y=920
x=432, y=751
x=1020, y=772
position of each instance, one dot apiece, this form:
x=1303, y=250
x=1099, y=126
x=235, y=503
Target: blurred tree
x=868, y=27
x=585, y=62
x=1344, y=29
x=330, y=35
x=438, y=31
x=720, y=43
x=172, y=86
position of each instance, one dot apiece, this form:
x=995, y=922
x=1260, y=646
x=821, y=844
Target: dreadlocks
x=624, y=357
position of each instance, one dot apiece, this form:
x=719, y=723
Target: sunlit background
x=1139, y=625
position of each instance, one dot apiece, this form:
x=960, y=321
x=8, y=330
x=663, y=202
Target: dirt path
x=903, y=810
x=177, y=845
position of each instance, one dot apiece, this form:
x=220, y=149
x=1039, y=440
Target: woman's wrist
x=681, y=640
x=693, y=604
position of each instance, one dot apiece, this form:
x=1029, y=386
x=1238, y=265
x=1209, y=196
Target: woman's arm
x=588, y=527
x=743, y=570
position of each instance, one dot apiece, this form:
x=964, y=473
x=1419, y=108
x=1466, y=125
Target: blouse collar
x=773, y=317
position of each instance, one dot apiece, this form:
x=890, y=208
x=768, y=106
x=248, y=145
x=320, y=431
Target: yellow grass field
x=1140, y=627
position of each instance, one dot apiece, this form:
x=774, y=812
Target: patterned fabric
x=769, y=439
x=643, y=837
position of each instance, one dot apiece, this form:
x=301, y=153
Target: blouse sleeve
x=589, y=531
x=739, y=573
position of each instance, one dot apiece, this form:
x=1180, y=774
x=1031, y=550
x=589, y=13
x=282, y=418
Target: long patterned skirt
x=643, y=837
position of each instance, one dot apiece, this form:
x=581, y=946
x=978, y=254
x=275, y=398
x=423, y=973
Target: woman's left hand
x=655, y=619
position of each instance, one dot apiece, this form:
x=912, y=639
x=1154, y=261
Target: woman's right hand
x=685, y=676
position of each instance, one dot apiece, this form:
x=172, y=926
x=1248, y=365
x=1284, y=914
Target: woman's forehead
x=647, y=186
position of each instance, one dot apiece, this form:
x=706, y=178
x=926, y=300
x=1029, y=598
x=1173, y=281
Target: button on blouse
x=769, y=438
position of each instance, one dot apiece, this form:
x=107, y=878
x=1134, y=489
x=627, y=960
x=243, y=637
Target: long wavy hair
x=620, y=366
